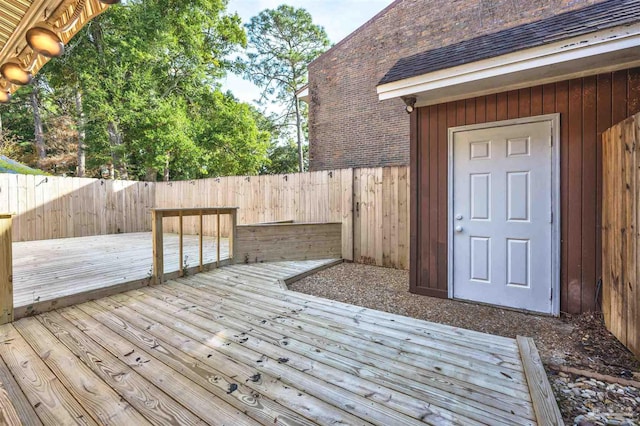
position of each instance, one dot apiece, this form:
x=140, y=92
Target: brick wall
x=348, y=126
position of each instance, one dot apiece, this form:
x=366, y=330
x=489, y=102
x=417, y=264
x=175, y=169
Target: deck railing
x=157, y=215
x=6, y=270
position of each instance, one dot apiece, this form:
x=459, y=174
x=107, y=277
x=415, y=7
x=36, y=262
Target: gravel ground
x=579, y=341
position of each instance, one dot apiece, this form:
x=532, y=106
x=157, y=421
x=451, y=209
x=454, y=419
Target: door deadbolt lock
x=458, y=217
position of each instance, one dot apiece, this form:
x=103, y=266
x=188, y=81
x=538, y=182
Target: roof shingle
x=600, y=16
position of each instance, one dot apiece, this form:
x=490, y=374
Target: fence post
x=232, y=235
x=6, y=270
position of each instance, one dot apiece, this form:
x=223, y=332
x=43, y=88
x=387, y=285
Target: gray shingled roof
x=608, y=14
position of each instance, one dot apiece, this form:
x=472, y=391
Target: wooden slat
x=607, y=224
x=6, y=269
x=632, y=288
x=321, y=370
x=52, y=402
x=260, y=243
x=544, y=402
x=354, y=402
x=175, y=350
x=8, y=413
x=19, y=401
x=145, y=397
x=54, y=273
x=102, y=403
x=231, y=346
x=195, y=398
x=590, y=227
x=573, y=214
x=621, y=301
x=562, y=107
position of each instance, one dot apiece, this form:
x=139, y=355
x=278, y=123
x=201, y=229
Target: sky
x=338, y=17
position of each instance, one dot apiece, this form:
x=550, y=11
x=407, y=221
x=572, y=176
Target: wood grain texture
x=102, y=403
x=8, y=413
x=146, y=398
x=23, y=408
x=49, y=207
x=50, y=274
x=587, y=107
x=620, y=221
x=52, y=402
x=544, y=402
x=357, y=198
x=288, y=241
x=6, y=269
x=232, y=346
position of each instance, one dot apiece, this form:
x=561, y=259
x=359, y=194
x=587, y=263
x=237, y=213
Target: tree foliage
x=282, y=42
x=148, y=74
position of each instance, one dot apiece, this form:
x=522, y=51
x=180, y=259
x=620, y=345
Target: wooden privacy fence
x=620, y=232
x=372, y=204
x=47, y=207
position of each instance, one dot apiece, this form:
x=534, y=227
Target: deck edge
x=98, y=293
x=544, y=402
x=284, y=283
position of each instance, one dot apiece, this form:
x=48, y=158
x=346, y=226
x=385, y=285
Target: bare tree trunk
x=299, y=131
x=165, y=175
x=81, y=135
x=37, y=124
x=115, y=140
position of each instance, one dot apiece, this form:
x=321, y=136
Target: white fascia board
x=587, y=54
x=303, y=95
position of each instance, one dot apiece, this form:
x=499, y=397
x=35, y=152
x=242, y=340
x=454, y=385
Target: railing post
x=158, y=249
x=200, y=245
x=181, y=246
x=217, y=239
x=232, y=234
x=6, y=270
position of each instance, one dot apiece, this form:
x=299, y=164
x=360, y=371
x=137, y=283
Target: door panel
x=480, y=259
x=480, y=196
x=502, y=201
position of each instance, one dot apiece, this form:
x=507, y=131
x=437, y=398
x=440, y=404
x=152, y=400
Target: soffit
x=18, y=16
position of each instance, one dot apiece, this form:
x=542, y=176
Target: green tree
x=283, y=158
x=138, y=89
x=282, y=42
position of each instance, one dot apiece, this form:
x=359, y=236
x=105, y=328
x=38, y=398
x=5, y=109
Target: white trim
x=303, y=95
x=602, y=51
x=554, y=119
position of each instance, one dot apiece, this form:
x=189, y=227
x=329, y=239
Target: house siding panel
x=587, y=107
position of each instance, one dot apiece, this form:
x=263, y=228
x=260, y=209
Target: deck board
x=48, y=273
x=231, y=346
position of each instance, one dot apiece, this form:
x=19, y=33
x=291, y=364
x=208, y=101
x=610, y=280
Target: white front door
x=502, y=230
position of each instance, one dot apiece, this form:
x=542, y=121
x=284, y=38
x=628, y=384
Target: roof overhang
x=18, y=16
x=303, y=93
x=598, y=52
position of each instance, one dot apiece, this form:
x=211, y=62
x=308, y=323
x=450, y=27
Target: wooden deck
x=63, y=272
x=233, y=347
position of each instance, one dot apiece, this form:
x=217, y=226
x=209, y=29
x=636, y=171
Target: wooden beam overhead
x=18, y=16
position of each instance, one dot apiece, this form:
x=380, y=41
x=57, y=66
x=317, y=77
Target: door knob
x=458, y=228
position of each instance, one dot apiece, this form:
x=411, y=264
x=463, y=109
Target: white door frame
x=554, y=119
